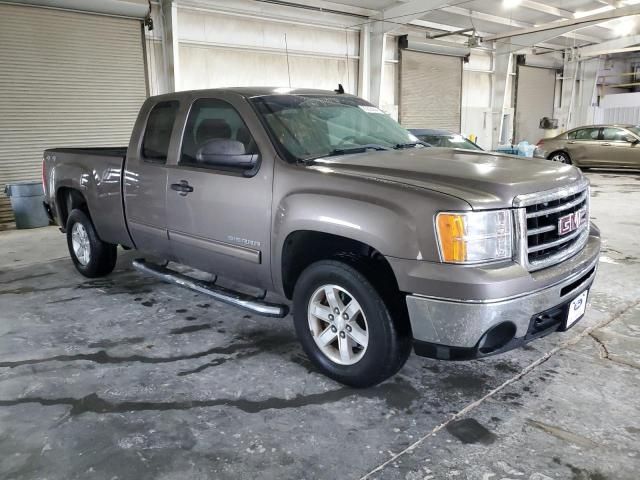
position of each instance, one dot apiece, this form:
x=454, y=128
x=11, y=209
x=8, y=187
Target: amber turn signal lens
x=451, y=233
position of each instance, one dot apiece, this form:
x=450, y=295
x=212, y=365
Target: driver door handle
x=183, y=187
x=571, y=142
x=606, y=144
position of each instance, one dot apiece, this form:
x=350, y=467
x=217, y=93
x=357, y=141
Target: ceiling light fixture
x=595, y=11
x=626, y=27
x=511, y=3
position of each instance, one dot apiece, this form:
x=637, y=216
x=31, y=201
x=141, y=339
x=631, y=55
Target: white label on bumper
x=577, y=308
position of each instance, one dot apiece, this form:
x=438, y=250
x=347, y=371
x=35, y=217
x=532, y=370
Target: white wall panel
x=216, y=67
x=221, y=29
x=221, y=50
x=476, y=106
x=535, y=95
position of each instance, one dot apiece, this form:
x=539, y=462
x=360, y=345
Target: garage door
x=535, y=90
x=66, y=79
x=430, y=90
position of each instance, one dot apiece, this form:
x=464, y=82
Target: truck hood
x=482, y=179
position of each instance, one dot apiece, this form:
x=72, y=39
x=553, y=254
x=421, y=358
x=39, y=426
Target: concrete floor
x=128, y=378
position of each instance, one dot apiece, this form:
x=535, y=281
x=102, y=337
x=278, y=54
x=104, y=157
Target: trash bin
x=26, y=200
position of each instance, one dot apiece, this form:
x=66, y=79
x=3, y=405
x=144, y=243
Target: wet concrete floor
x=128, y=378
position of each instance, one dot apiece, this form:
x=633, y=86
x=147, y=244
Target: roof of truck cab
x=250, y=92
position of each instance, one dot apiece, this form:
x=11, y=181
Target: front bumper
x=454, y=328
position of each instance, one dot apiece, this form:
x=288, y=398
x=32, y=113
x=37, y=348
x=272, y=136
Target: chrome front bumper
x=447, y=323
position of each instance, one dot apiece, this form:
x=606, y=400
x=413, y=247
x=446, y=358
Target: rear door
x=583, y=146
x=145, y=179
x=222, y=222
x=616, y=150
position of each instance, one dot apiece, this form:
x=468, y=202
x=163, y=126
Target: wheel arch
x=67, y=199
x=301, y=248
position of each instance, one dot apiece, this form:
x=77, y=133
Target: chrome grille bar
x=560, y=208
x=536, y=231
x=560, y=241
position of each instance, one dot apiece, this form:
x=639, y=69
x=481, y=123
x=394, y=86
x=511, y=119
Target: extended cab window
x=157, y=134
x=214, y=121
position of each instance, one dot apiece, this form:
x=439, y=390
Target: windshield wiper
x=400, y=146
x=357, y=149
x=350, y=150
x=347, y=151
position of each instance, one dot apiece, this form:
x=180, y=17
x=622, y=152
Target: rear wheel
x=91, y=256
x=345, y=326
x=560, y=157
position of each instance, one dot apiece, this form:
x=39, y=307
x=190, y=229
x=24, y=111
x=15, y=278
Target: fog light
x=497, y=337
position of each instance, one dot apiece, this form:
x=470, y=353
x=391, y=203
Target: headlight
x=474, y=237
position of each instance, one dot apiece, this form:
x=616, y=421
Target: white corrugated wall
x=66, y=79
x=226, y=50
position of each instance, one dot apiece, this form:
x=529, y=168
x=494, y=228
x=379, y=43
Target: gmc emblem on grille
x=569, y=223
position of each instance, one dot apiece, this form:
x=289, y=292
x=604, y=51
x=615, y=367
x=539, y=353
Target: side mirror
x=227, y=153
x=631, y=139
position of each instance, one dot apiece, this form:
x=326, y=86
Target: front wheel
x=91, y=256
x=345, y=326
x=560, y=157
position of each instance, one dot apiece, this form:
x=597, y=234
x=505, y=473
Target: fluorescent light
x=511, y=3
x=595, y=11
x=626, y=27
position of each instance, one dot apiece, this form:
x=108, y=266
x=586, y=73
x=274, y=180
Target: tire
x=91, y=256
x=342, y=357
x=560, y=157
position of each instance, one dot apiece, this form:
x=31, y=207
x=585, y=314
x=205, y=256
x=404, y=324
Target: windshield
x=313, y=126
x=635, y=130
x=449, y=141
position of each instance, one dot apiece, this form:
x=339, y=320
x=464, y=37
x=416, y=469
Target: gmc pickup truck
x=320, y=202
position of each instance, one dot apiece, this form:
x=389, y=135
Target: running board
x=222, y=294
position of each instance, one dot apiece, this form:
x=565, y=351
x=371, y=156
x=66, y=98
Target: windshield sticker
x=370, y=109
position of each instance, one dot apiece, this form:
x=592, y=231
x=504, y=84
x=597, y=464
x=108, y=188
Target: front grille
x=542, y=243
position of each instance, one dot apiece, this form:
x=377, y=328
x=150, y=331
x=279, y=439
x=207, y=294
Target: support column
x=502, y=67
x=567, y=98
x=376, y=61
x=364, y=68
x=170, y=45
x=584, y=109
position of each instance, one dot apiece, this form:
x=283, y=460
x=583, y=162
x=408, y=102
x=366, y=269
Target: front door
x=220, y=218
x=617, y=151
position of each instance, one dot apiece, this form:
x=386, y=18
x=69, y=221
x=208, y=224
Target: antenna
x=286, y=49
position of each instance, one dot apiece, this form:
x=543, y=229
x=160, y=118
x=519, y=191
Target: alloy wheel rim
x=338, y=324
x=80, y=244
x=559, y=158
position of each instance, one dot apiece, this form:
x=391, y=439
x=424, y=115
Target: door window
x=157, y=134
x=212, y=119
x=584, y=134
x=612, y=134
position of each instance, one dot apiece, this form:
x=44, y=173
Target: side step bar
x=222, y=294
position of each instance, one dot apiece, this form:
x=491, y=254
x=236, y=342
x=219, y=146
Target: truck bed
x=99, y=151
x=95, y=173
